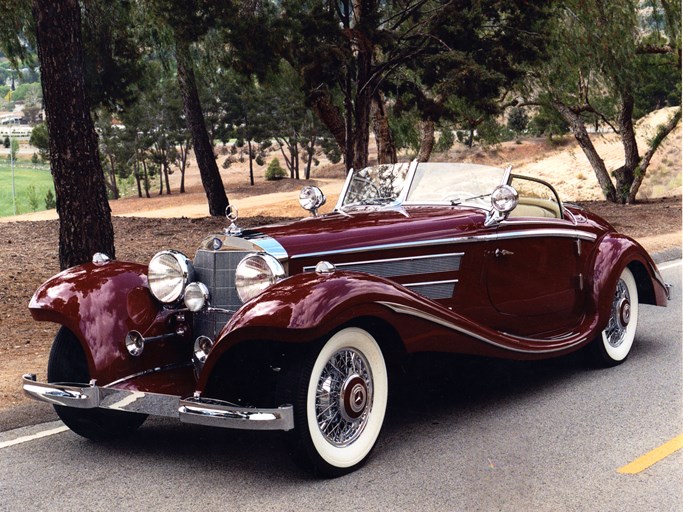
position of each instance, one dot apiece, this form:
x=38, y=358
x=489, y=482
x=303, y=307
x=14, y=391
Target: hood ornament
x=232, y=215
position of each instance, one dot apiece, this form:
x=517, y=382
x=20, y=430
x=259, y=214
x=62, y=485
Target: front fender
x=100, y=304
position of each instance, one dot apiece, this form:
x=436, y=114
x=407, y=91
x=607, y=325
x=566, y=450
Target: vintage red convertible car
x=297, y=327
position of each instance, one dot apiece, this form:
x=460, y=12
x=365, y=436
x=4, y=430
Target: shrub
x=274, y=171
x=50, y=202
x=32, y=197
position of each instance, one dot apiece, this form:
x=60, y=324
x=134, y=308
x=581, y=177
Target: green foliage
x=25, y=176
x=32, y=197
x=490, y=132
x=39, y=139
x=275, y=171
x=404, y=128
x=518, y=120
x=547, y=122
x=50, y=202
x=446, y=139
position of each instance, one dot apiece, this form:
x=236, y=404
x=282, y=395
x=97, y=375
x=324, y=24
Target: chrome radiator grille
x=216, y=269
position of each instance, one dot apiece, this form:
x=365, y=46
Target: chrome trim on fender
x=429, y=283
x=195, y=410
x=217, y=413
x=525, y=233
x=407, y=310
x=268, y=244
x=549, y=232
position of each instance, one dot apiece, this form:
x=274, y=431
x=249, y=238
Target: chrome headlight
x=311, y=198
x=168, y=274
x=196, y=296
x=255, y=273
x=504, y=198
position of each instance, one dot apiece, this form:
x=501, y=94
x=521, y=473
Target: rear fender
x=614, y=253
x=100, y=304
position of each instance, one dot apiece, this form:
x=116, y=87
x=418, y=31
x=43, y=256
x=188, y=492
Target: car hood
x=367, y=229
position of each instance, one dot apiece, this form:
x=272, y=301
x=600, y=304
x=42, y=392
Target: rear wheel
x=67, y=364
x=614, y=344
x=340, y=397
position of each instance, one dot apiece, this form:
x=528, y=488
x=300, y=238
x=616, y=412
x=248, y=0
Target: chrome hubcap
x=620, y=317
x=343, y=398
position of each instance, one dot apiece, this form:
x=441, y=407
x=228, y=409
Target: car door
x=533, y=267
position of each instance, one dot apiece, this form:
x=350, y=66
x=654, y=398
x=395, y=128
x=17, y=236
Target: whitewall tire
x=614, y=344
x=342, y=401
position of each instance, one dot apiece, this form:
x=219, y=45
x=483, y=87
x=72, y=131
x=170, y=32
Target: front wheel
x=340, y=401
x=67, y=364
x=614, y=344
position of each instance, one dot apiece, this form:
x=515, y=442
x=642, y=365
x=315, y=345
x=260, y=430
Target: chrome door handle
x=503, y=252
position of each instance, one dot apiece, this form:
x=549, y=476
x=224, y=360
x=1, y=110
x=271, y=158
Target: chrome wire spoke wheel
x=615, y=342
x=620, y=317
x=345, y=401
x=344, y=397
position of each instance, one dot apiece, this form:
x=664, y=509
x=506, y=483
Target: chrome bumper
x=195, y=410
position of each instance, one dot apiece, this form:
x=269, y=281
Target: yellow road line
x=652, y=457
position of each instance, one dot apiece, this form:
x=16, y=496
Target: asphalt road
x=466, y=435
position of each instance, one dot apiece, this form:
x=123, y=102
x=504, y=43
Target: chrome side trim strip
x=407, y=310
x=215, y=413
x=430, y=283
x=549, y=232
x=400, y=245
x=533, y=233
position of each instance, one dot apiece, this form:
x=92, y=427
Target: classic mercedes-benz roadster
x=297, y=327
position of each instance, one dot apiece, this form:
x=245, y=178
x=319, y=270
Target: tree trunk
x=147, y=185
x=581, y=135
x=426, y=140
x=310, y=151
x=136, y=172
x=363, y=103
x=184, y=151
x=662, y=132
x=203, y=148
x=166, y=173
x=328, y=113
x=112, y=177
x=386, y=149
x=251, y=164
x=85, y=225
x=625, y=175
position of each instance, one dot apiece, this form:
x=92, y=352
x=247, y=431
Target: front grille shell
x=216, y=269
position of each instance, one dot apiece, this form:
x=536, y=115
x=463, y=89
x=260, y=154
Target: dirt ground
x=29, y=243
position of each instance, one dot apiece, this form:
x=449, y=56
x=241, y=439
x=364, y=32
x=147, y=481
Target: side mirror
x=504, y=199
x=311, y=198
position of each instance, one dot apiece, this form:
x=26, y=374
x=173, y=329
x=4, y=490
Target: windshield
x=454, y=183
x=422, y=183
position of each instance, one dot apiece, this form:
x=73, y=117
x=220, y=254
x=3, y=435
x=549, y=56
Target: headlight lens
x=504, y=198
x=196, y=296
x=255, y=273
x=311, y=198
x=168, y=274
